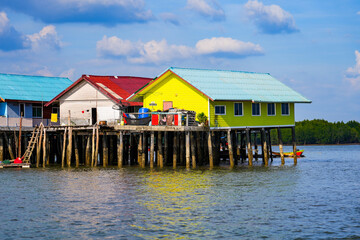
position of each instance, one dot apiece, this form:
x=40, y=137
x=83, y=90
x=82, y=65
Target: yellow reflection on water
x=177, y=203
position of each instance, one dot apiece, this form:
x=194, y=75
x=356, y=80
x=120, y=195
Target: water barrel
x=143, y=110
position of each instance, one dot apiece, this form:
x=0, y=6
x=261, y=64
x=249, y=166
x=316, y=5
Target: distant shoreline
x=321, y=144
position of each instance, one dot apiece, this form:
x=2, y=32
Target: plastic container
x=143, y=110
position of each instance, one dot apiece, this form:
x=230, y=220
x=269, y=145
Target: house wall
x=13, y=110
x=183, y=95
x=80, y=100
x=247, y=120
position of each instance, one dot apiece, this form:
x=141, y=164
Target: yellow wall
x=172, y=88
x=247, y=119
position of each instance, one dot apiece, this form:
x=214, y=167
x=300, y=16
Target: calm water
x=317, y=199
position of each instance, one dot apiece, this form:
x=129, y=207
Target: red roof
x=117, y=88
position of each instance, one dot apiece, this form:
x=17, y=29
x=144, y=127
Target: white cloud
x=170, y=17
x=46, y=37
x=271, y=19
x=352, y=74
x=4, y=22
x=68, y=73
x=358, y=13
x=160, y=51
x=44, y=72
x=229, y=46
x=207, y=8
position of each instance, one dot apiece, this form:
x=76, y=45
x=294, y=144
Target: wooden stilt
x=8, y=143
x=120, y=148
x=88, y=151
x=63, y=150
x=152, y=148
x=211, y=159
x=96, y=146
x=249, y=148
x=77, y=157
x=182, y=148
x=294, y=145
x=160, y=150
x=270, y=147
x=105, y=151
x=231, y=153
x=234, y=146
x=140, y=148
x=256, y=147
x=264, y=147
x=175, y=149
x=187, y=136
x=193, y=150
x=111, y=150
x=166, y=152
x=44, y=149
x=69, y=148
x=93, y=148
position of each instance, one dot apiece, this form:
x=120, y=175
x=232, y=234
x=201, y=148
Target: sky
x=313, y=46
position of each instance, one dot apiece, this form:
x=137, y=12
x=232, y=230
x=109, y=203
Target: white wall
x=80, y=100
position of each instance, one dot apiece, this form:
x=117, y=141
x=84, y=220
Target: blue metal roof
x=238, y=85
x=31, y=88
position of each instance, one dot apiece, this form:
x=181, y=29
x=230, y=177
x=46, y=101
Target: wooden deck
x=15, y=165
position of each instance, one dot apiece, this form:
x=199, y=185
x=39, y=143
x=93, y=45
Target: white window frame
x=42, y=111
x=242, y=109
x=252, y=113
x=288, y=114
x=220, y=106
x=274, y=110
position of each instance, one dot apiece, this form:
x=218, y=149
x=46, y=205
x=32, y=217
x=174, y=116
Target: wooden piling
x=211, y=159
x=256, y=147
x=44, y=149
x=8, y=143
x=264, y=148
x=120, y=148
x=231, y=153
x=175, y=149
x=97, y=145
x=88, y=151
x=294, y=144
x=152, y=147
x=193, y=150
x=143, y=150
x=270, y=147
x=160, y=150
x=63, y=150
x=77, y=157
x=139, y=158
x=281, y=149
x=249, y=148
x=187, y=136
x=93, y=148
x=198, y=145
x=69, y=148
x=105, y=151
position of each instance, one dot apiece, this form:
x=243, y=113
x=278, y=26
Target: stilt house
x=230, y=99
x=25, y=96
x=92, y=99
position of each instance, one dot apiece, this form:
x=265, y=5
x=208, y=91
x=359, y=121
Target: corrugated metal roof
x=31, y=88
x=238, y=85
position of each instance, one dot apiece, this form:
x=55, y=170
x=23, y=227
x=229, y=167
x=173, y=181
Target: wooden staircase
x=31, y=145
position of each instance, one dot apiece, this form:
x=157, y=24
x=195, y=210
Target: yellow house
x=230, y=99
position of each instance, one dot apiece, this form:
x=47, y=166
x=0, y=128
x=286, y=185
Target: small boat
x=299, y=153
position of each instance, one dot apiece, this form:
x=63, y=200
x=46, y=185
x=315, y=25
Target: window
x=256, y=109
x=22, y=109
x=271, y=109
x=285, y=109
x=220, y=110
x=238, y=109
x=56, y=110
x=37, y=111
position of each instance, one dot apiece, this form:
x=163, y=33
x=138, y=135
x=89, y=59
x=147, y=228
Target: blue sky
x=311, y=45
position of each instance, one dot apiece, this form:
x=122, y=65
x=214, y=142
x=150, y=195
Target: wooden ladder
x=31, y=145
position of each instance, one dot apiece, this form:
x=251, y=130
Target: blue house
x=22, y=95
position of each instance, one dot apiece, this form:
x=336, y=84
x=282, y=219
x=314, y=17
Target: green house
x=230, y=99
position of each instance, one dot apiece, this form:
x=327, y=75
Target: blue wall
x=3, y=109
x=13, y=110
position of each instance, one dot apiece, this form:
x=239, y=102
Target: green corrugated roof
x=31, y=88
x=237, y=85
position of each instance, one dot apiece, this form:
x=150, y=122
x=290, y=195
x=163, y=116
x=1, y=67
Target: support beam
x=187, y=149
x=63, y=149
x=88, y=152
x=193, y=150
x=120, y=148
x=93, y=148
x=69, y=148
x=211, y=159
x=248, y=146
x=160, y=150
x=264, y=147
x=44, y=149
x=105, y=151
x=175, y=149
x=8, y=143
x=77, y=157
x=231, y=153
x=152, y=148
x=96, y=146
x=294, y=144
x=143, y=150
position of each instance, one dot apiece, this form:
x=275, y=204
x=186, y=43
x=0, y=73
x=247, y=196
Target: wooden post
x=44, y=149
x=294, y=145
x=93, y=148
x=166, y=154
x=193, y=150
x=211, y=159
x=231, y=154
x=264, y=147
x=69, y=148
x=20, y=128
x=198, y=145
x=120, y=148
x=63, y=150
x=144, y=150
x=281, y=149
x=187, y=136
x=111, y=150
x=248, y=146
x=270, y=147
x=88, y=152
x=97, y=145
x=175, y=149
x=256, y=147
x=105, y=151
x=152, y=147
x=8, y=143
x=140, y=149
x=182, y=148
x=77, y=158
x=160, y=150
x=1, y=148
